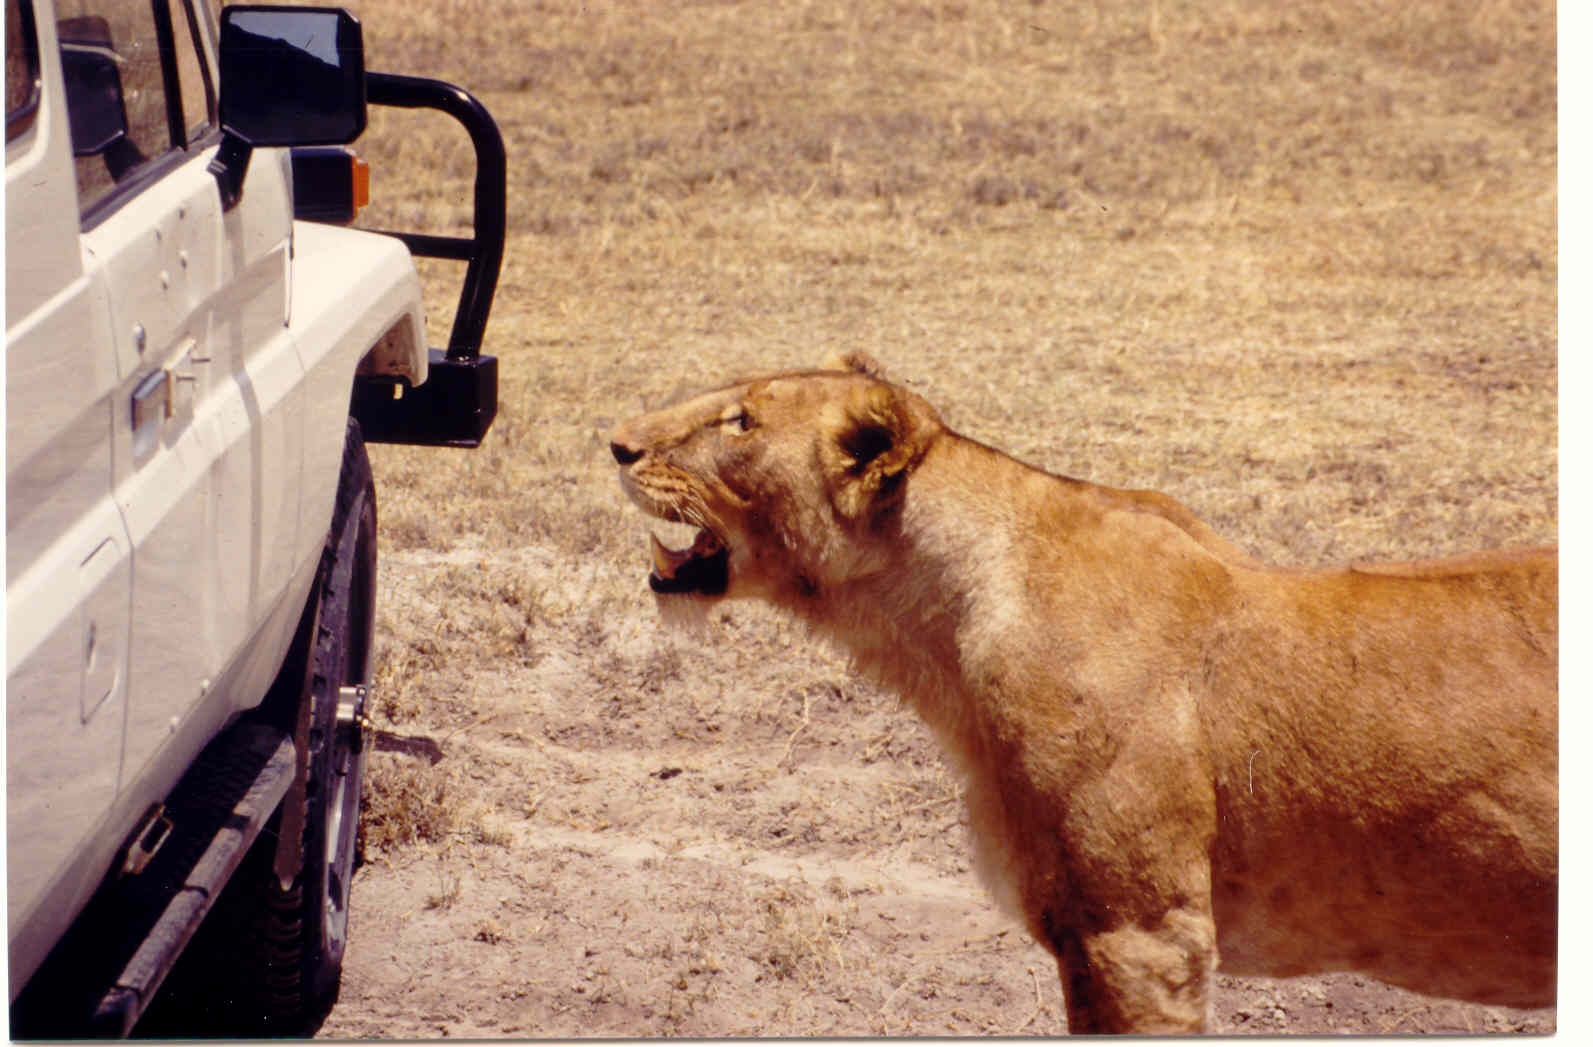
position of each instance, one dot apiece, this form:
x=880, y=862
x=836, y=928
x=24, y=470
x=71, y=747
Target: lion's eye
x=739, y=420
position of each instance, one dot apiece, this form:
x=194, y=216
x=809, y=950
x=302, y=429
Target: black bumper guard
x=456, y=404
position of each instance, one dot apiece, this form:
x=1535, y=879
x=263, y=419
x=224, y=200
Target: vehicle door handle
x=150, y=398
x=166, y=393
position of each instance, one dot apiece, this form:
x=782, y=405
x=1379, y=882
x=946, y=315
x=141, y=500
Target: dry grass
x=804, y=930
x=1293, y=264
x=408, y=803
x=1247, y=253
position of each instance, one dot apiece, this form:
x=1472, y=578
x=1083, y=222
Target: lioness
x=1177, y=757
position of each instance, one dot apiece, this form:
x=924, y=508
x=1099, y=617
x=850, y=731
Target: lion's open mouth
x=703, y=568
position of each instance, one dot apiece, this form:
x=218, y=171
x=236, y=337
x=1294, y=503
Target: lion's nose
x=622, y=454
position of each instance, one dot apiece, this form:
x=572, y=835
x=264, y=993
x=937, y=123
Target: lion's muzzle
x=703, y=568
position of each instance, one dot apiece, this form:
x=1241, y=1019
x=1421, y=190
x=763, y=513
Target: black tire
x=268, y=960
x=314, y=924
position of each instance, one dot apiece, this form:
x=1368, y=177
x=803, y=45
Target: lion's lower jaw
x=686, y=612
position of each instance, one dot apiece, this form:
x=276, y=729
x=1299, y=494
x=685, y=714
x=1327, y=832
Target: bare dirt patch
x=1294, y=266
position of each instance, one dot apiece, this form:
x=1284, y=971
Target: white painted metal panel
x=210, y=489
x=68, y=572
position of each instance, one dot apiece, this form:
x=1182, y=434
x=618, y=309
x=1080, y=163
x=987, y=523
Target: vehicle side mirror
x=96, y=111
x=289, y=76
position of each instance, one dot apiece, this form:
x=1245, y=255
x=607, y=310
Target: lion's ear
x=871, y=440
x=853, y=360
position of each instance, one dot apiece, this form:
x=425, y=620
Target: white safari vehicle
x=198, y=345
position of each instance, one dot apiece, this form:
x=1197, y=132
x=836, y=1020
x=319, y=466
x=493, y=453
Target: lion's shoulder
x=1168, y=508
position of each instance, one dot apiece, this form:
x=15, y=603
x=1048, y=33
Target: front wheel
x=339, y=672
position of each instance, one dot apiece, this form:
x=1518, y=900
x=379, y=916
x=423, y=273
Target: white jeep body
x=178, y=381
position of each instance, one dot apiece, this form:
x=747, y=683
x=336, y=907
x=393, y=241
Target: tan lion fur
x=1177, y=757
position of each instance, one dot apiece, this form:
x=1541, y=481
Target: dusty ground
x=1293, y=264
x=739, y=851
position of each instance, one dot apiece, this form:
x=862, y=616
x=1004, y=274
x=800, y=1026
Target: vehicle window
x=135, y=88
x=197, y=92
x=22, y=68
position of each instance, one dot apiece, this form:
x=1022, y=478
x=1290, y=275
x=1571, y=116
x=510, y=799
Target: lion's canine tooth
x=664, y=561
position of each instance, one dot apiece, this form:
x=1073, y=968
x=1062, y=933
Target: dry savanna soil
x=1293, y=264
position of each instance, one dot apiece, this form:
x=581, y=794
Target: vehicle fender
x=355, y=308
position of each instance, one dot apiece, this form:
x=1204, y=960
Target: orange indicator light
x=361, y=172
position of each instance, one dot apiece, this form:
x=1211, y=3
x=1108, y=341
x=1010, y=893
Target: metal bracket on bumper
x=456, y=404
x=453, y=408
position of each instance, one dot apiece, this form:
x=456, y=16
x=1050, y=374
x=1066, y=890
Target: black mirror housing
x=290, y=76
x=95, y=109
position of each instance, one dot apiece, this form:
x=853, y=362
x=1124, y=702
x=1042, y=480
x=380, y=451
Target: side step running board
x=105, y=972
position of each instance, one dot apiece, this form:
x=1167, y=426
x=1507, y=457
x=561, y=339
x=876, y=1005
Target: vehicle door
x=68, y=558
x=207, y=449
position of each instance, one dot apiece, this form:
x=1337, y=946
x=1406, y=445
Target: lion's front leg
x=1122, y=895
x=1136, y=979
